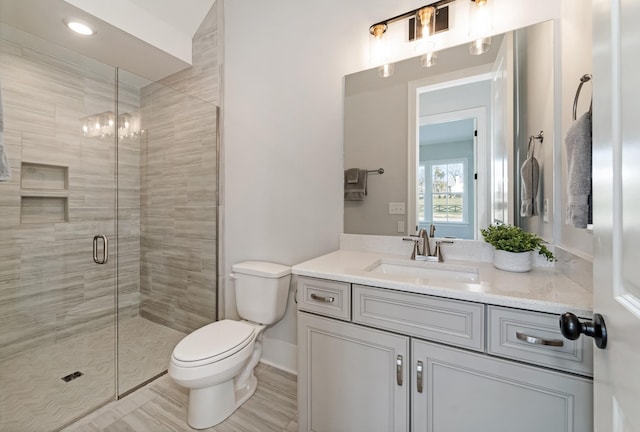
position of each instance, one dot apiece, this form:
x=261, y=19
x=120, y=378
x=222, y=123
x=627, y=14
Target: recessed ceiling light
x=80, y=28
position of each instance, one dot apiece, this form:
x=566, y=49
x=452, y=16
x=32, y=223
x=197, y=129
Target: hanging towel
x=530, y=178
x=5, y=170
x=578, y=146
x=352, y=175
x=358, y=190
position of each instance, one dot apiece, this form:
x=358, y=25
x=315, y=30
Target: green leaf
x=513, y=239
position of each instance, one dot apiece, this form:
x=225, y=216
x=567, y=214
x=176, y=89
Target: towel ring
x=539, y=137
x=585, y=78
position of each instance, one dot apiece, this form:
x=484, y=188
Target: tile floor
x=34, y=398
x=162, y=406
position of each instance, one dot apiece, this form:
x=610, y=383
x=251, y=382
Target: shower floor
x=34, y=397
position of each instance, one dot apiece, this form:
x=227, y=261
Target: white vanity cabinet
x=458, y=390
x=400, y=361
x=351, y=378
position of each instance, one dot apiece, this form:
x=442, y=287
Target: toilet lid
x=214, y=341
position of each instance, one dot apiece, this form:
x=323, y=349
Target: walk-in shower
x=107, y=230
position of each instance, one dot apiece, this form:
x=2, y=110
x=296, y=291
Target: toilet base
x=212, y=405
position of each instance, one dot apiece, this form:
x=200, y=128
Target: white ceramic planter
x=512, y=261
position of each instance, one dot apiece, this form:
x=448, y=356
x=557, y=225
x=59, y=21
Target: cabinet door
x=351, y=378
x=468, y=392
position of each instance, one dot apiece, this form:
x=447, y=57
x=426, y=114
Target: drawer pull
x=322, y=298
x=539, y=341
x=419, y=369
x=399, y=371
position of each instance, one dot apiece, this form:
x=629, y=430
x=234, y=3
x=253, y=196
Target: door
x=616, y=185
x=351, y=378
x=57, y=213
x=449, y=173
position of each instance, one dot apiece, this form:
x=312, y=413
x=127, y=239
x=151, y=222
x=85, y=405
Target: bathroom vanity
x=389, y=344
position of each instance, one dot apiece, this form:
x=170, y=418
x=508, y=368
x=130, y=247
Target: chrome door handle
x=539, y=341
x=322, y=298
x=399, y=371
x=419, y=370
x=105, y=249
x=95, y=250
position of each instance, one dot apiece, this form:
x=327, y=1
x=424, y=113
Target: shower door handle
x=105, y=249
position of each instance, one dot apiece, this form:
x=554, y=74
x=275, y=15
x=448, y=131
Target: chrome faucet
x=424, y=252
x=426, y=246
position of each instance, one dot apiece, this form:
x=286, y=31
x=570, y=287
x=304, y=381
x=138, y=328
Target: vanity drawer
x=452, y=322
x=329, y=298
x=534, y=337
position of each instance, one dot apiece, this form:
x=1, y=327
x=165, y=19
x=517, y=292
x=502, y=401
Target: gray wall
x=537, y=114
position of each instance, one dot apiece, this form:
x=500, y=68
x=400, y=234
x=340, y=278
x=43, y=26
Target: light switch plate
x=397, y=208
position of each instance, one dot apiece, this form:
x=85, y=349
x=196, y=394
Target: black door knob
x=571, y=328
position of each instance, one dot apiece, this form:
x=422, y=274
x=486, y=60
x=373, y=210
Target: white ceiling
x=449, y=132
x=151, y=38
x=186, y=17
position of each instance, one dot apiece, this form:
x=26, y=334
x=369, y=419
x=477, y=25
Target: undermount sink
x=429, y=271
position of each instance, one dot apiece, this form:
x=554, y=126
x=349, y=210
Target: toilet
x=216, y=362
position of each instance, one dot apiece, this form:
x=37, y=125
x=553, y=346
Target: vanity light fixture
x=424, y=22
x=480, y=26
x=79, y=27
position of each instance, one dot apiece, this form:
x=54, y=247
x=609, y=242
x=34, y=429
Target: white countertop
x=542, y=289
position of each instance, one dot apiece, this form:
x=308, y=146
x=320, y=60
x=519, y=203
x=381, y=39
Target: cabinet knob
x=572, y=328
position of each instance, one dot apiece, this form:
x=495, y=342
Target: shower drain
x=72, y=376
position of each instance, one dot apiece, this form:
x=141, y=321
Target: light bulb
x=80, y=28
x=429, y=59
x=386, y=70
x=427, y=19
x=480, y=19
x=480, y=46
x=378, y=45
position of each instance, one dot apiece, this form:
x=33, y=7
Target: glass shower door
x=57, y=235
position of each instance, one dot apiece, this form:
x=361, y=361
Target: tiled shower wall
x=50, y=288
x=179, y=187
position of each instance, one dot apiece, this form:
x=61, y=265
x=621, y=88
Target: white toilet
x=216, y=361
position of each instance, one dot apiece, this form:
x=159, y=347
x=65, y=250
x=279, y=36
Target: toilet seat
x=212, y=343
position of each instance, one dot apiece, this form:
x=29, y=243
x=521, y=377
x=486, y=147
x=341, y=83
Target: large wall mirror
x=452, y=137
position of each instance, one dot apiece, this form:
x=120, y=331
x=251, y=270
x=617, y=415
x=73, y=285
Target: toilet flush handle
x=233, y=276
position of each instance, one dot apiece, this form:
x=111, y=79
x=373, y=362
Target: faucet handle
x=438, y=251
x=415, y=246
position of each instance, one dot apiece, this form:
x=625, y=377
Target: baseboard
x=280, y=354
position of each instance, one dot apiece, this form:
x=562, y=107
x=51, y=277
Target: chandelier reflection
x=104, y=125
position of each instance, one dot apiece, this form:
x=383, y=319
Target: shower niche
x=44, y=193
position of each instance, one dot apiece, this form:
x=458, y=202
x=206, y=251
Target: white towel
x=5, y=170
x=578, y=145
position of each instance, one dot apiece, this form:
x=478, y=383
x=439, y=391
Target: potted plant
x=514, y=247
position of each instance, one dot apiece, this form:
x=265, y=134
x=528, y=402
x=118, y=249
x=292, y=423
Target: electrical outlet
x=545, y=210
x=400, y=226
x=397, y=208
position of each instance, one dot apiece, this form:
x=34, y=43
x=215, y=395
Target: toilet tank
x=262, y=290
